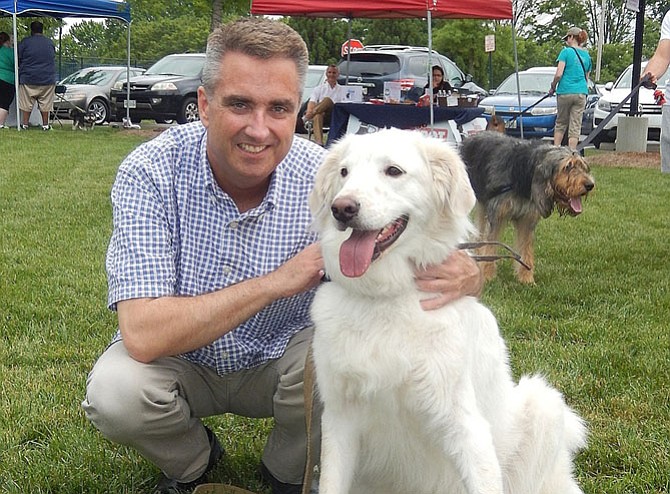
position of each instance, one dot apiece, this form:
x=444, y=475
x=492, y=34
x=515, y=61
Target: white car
x=614, y=93
x=316, y=75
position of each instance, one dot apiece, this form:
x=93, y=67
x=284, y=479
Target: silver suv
x=377, y=64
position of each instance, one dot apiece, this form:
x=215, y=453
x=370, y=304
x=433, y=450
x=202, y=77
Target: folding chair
x=309, y=127
x=59, y=103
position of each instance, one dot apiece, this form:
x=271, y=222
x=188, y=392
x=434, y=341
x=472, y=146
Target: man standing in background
x=656, y=67
x=37, y=75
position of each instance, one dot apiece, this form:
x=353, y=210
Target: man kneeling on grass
x=212, y=267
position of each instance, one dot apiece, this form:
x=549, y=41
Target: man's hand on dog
x=458, y=276
x=302, y=272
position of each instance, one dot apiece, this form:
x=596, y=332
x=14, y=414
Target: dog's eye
x=344, y=172
x=393, y=171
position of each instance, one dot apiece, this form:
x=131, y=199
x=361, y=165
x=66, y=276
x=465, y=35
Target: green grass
x=596, y=323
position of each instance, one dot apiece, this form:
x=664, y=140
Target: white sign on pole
x=489, y=43
x=633, y=5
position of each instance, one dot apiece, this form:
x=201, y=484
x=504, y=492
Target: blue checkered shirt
x=176, y=233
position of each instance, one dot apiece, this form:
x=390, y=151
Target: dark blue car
x=538, y=121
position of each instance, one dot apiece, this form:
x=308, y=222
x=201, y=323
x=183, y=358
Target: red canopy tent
x=389, y=9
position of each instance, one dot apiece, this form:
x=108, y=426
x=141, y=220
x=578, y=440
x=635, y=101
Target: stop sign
x=352, y=44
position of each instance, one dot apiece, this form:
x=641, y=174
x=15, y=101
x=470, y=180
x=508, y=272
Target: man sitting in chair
x=324, y=97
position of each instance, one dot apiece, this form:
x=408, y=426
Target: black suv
x=377, y=64
x=166, y=91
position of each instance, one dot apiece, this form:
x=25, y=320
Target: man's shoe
x=25, y=126
x=46, y=127
x=277, y=486
x=170, y=486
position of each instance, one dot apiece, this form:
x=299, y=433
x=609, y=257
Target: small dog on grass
x=522, y=181
x=84, y=120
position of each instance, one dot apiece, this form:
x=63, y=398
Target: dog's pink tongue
x=576, y=205
x=356, y=253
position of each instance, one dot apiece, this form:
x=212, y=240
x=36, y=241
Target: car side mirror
x=468, y=78
x=609, y=86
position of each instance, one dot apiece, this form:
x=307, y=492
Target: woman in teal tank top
x=571, y=86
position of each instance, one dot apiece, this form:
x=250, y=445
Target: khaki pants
x=322, y=112
x=44, y=95
x=570, y=112
x=156, y=408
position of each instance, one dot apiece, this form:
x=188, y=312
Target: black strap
x=581, y=63
x=645, y=81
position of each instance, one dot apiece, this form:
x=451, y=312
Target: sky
x=71, y=21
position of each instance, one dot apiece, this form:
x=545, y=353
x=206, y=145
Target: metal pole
x=601, y=40
x=429, y=18
x=16, y=71
x=516, y=70
x=637, y=58
x=128, y=122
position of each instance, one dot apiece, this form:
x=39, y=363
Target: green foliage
x=618, y=58
x=324, y=37
x=413, y=32
x=595, y=324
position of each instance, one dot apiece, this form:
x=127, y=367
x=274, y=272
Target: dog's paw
x=526, y=277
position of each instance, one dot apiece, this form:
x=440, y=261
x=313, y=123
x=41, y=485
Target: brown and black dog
x=522, y=181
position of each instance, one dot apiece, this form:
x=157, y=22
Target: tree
x=323, y=37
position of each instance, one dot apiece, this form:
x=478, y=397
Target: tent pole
x=128, y=77
x=60, y=51
x=348, y=49
x=429, y=18
x=516, y=70
x=16, y=71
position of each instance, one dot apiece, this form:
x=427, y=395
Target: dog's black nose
x=344, y=209
x=589, y=186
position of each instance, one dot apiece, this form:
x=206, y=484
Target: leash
x=309, y=386
x=494, y=257
x=523, y=112
x=645, y=81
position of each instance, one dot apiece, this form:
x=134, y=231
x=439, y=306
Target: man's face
x=250, y=117
x=331, y=75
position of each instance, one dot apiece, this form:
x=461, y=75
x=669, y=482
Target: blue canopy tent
x=60, y=9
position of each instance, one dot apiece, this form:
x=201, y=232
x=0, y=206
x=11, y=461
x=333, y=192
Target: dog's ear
x=542, y=188
x=325, y=185
x=450, y=177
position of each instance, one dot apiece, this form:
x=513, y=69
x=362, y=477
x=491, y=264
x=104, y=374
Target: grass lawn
x=596, y=323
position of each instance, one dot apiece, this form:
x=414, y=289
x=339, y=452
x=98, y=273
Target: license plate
x=130, y=103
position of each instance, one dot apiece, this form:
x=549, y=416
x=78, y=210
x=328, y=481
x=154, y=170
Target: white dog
x=416, y=401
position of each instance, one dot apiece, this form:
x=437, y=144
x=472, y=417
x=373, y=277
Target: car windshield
x=370, y=65
x=530, y=83
x=98, y=77
x=184, y=66
x=624, y=80
x=313, y=77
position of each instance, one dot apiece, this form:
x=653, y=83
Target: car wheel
x=100, y=109
x=164, y=120
x=189, y=111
